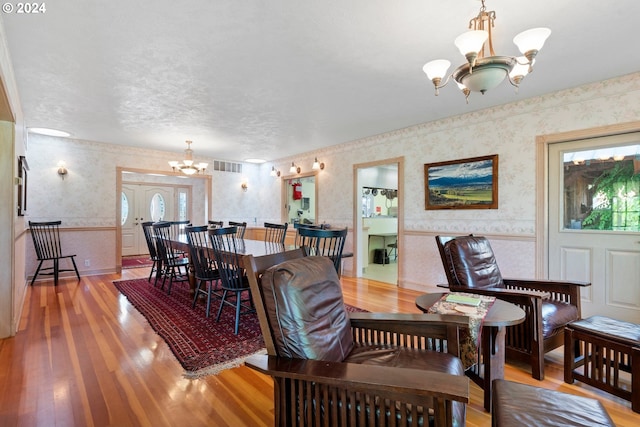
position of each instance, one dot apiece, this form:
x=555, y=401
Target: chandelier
x=485, y=70
x=188, y=167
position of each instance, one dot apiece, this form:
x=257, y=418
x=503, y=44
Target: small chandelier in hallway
x=188, y=167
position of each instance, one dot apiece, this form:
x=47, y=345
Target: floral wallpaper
x=86, y=198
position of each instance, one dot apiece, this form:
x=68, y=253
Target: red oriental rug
x=136, y=261
x=201, y=345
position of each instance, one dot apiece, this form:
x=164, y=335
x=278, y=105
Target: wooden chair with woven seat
x=470, y=266
x=275, y=233
x=204, y=266
x=321, y=242
x=175, y=265
x=240, y=226
x=227, y=254
x=331, y=367
x=46, y=242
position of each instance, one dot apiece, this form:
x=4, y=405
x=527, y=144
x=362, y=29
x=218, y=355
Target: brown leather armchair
x=334, y=368
x=470, y=266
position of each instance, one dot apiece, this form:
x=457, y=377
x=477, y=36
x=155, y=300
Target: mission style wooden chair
x=334, y=368
x=549, y=305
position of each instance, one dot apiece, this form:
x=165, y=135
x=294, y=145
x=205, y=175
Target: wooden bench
x=516, y=405
x=598, y=349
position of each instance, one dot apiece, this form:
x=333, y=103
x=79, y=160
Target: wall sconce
x=244, y=186
x=62, y=169
x=317, y=165
x=294, y=168
x=274, y=171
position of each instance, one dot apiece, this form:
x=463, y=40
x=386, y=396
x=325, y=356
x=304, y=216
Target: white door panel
x=129, y=226
x=608, y=259
x=146, y=203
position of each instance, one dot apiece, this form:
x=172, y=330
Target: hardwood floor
x=84, y=356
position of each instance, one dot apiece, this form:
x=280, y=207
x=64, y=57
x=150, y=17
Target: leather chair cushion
x=555, y=315
x=611, y=329
x=403, y=357
x=473, y=263
x=306, y=311
x=516, y=404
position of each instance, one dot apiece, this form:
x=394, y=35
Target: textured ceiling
x=275, y=78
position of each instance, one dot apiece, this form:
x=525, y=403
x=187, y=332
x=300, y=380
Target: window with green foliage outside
x=602, y=189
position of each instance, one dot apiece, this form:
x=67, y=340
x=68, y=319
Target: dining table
x=492, y=340
x=245, y=247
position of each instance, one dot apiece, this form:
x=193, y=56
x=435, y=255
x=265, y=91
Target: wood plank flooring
x=84, y=356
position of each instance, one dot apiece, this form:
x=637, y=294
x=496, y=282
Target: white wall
x=12, y=235
x=509, y=131
x=85, y=200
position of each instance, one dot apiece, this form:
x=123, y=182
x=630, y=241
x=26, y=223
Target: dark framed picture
x=23, y=167
x=462, y=184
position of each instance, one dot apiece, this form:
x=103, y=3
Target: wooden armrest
x=559, y=290
x=379, y=320
x=527, y=292
x=411, y=382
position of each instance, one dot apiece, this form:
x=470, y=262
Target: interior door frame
x=122, y=169
x=357, y=213
x=284, y=195
x=542, y=181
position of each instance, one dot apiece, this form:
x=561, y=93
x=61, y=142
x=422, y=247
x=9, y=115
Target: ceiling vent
x=227, y=166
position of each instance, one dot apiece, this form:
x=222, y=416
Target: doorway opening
x=378, y=215
x=150, y=195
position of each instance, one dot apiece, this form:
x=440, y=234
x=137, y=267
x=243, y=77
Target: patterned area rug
x=136, y=261
x=202, y=346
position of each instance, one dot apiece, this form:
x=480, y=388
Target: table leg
x=192, y=277
x=493, y=355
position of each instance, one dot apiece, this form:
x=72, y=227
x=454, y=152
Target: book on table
x=464, y=299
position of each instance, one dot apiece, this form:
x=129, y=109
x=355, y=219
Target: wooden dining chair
x=175, y=265
x=204, y=265
x=216, y=224
x=299, y=226
x=235, y=286
x=320, y=242
x=240, y=226
x=275, y=233
x=147, y=228
x=177, y=229
x=46, y=242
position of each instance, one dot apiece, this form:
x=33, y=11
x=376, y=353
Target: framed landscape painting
x=462, y=184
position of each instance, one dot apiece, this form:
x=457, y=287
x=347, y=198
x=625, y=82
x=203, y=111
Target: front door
x=142, y=203
x=594, y=221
